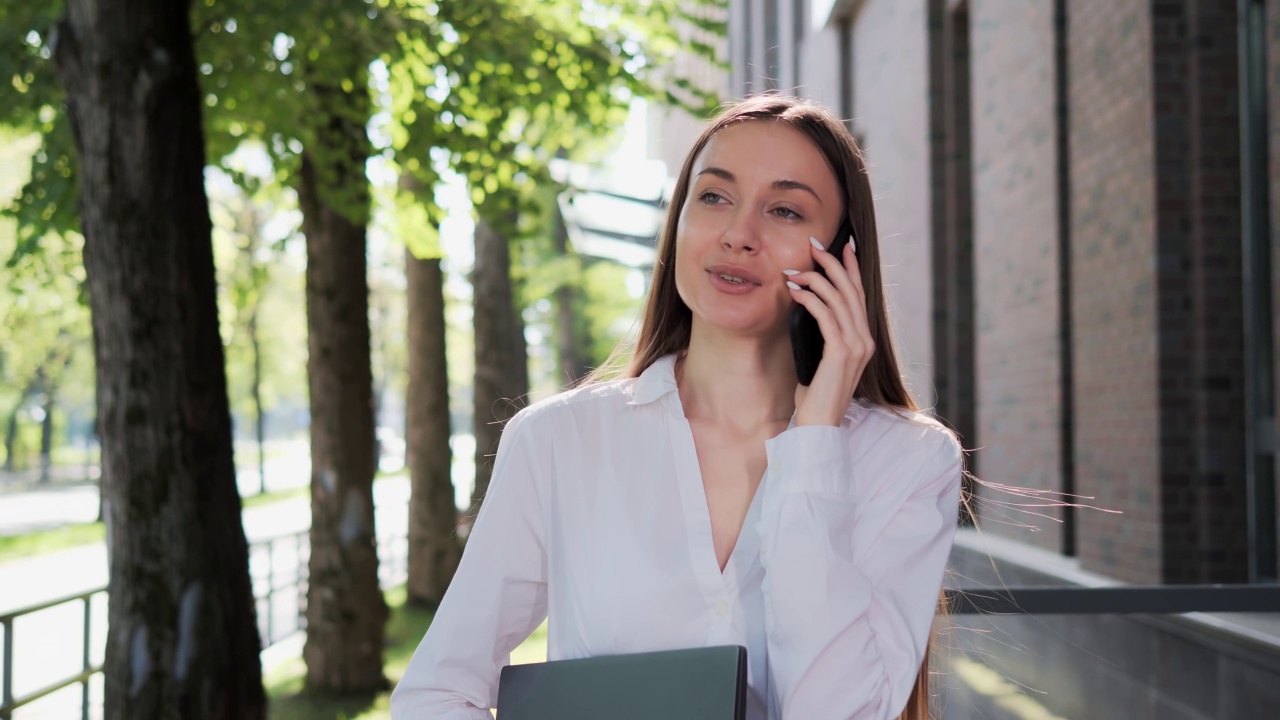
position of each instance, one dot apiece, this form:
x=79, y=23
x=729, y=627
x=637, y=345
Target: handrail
x=1115, y=600
x=46, y=604
x=82, y=677
x=9, y=703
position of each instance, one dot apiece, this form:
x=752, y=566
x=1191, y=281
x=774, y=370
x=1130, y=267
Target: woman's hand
x=839, y=304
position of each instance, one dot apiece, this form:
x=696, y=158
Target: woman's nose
x=741, y=234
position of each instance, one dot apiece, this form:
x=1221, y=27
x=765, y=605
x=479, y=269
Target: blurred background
x=421, y=216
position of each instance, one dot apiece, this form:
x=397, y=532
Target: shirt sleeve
x=496, y=599
x=854, y=567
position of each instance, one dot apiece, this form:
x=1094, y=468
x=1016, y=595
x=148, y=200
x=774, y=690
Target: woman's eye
x=710, y=198
x=787, y=213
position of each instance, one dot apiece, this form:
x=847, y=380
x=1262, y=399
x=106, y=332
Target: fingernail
x=815, y=243
x=853, y=245
x=789, y=273
x=792, y=285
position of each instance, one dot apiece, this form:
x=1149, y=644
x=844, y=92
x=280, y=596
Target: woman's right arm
x=497, y=597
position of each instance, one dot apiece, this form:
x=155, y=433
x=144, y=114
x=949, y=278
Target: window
x=1260, y=436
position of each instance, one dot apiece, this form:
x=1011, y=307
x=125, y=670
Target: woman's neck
x=744, y=382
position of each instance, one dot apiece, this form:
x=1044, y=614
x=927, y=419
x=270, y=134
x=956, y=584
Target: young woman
x=708, y=498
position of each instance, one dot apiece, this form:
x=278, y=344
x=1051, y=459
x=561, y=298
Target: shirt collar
x=658, y=380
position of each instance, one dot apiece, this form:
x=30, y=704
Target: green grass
x=404, y=631
x=14, y=547
x=274, y=496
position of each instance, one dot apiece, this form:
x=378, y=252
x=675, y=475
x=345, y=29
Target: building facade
x=1079, y=213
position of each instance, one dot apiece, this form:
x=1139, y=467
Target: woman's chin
x=743, y=325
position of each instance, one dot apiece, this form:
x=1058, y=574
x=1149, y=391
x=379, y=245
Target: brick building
x=1079, y=208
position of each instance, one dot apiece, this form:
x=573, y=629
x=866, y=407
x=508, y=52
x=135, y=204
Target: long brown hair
x=667, y=321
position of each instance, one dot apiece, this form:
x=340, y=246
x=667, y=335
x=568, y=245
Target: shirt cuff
x=810, y=459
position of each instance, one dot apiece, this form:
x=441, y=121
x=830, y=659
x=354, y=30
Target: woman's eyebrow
x=778, y=184
x=796, y=185
x=718, y=172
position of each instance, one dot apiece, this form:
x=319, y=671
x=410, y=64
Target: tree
x=512, y=84
x=345, y=609
x=434, y=549
x=182, y=639
x=43, y=304
x=502, y=376
x=244, y=283
x=494, y=85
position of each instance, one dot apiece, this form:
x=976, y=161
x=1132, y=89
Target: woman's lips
x=732, y=279
x=737, y=273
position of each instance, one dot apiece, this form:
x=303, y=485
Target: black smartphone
x=806, y=337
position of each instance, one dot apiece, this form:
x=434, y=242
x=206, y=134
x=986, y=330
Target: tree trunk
x=434, y=549
x=502, y=375
x=11, y=435
x=46, y=433
x=255, y=343
x=345, y=609
x=571, y=340
x=182, y=638
x=11, y=431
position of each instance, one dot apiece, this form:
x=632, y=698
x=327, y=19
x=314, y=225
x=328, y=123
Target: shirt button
x=722, y=609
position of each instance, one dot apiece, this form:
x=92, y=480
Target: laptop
x=696, y=684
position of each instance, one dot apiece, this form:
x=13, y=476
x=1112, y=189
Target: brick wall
x=1114, y=313
x=1157, y=312
x=890, y=64
x=1015, y=164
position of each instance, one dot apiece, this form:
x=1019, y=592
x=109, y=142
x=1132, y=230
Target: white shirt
x=596, y=518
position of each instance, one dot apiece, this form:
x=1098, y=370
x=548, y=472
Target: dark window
x=772, y=52
x=952, y=190
x=1260, y=437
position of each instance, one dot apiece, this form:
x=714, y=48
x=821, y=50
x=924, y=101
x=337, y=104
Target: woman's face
x=757, y=193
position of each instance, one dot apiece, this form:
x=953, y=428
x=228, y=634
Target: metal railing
x=393, y=568
x=7, y=702
x=1118, y=600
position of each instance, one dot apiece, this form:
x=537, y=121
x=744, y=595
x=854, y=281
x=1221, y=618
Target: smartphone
x=806, y=337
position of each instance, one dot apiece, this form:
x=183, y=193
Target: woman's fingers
x=832, y=298
x=828, y=324
x=838, y=304
x=837, y=268
x=853, y=271
x=841, y=287
x=844, y=342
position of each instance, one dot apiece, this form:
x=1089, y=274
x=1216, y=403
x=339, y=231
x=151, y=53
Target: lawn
x=14, y=547
x=249, y=501
x=404, y=631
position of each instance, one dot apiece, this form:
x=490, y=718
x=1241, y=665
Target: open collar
x=657, y=381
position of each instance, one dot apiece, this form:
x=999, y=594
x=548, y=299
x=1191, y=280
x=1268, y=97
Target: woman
x=708, y=498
